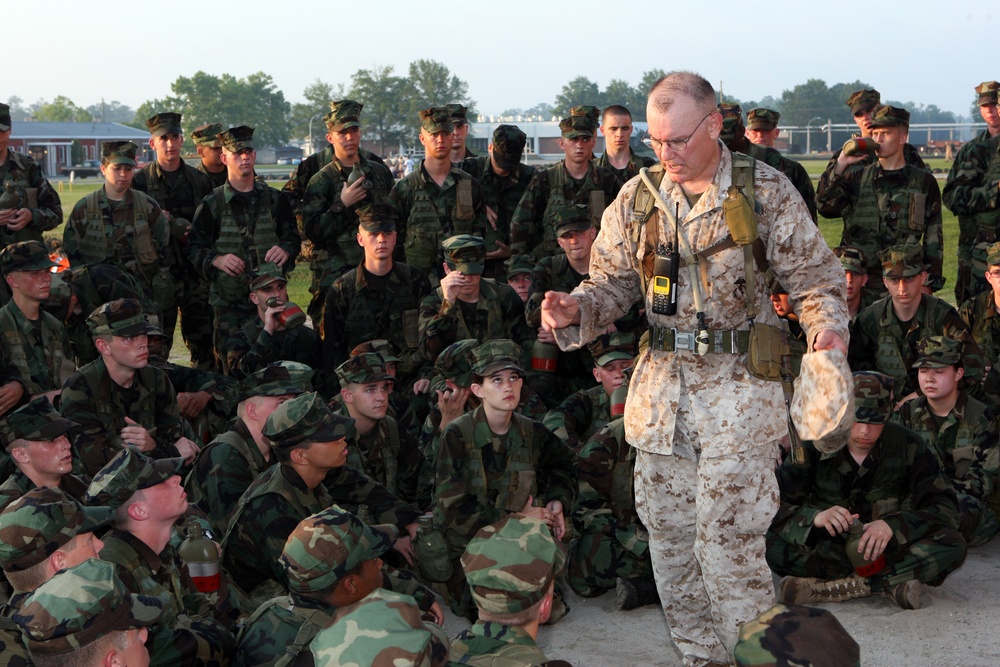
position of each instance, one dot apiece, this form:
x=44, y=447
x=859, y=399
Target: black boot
x=632, y=593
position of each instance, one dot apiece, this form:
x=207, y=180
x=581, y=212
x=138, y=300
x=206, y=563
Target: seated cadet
x=86, y=617
x=886, y=478
x=149, y=499
x=385, y=629
x=265, y=339
x=961, y=430
x=119, y=399
x=34, y=341
x=519, y=269
x=380, y=449
x=511, y=568
x=795, y=635
x=384, y=349
x=333, y=560
x=12, y=394
x=981, y=314
x=41, y=533
x=885, y=335
x=586, y=412
x=36, y=438
x=234, y=459
x=493, y=462
x=856, y=274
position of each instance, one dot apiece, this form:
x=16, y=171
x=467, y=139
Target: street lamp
x=312, y=147
x=809, y=135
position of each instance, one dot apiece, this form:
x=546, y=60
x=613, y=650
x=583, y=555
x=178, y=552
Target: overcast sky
x=513, y=54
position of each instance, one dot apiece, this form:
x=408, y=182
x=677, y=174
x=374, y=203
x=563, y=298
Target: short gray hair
x=668, y=87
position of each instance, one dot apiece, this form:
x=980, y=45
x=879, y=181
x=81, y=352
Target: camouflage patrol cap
x=455, y=364
x=987, y=92
x=326, y=546
x=762, y=118
x=993, y=254
x=457, y=112
x=121, y=317
x=306, y=418
x=4, y=117
x=25, y=256
x=508, y=146
x=872, y=397
x=436, y=119
x=795, y=635
x=377, y=217
x=581, y=122
x=611, y=346
x=279, y=378
x=127, y=472
x=887, y=116
x=236, y=139
x=519, y=264
x=165, y=123
x=37, y=420
x=511, y=564
x=207, y=135
x=822, y=407
x=363, y=369
x=266, y=274
x=861, y=100
x=80, y=605
x=852, y=258
x=938, y=352
x=465, y=253
x=118, y=152
x=344, y=114
x=379, y=346
x=41, y=522
x=384, y=629
x=571, y=218
x=902, y=261
x=499, y=354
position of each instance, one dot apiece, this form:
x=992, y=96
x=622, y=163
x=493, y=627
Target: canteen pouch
x=464, y=208
x=764, y=351
x=739, y=216
x=421, y=247
x=521, y=484
x=32, y=195
x=232, y=289
x=411, y=333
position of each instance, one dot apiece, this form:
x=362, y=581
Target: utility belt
x=720, y=341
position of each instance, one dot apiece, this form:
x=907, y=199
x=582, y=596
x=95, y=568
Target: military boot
x=809, y=590
x=632, y=593
x=908, y=595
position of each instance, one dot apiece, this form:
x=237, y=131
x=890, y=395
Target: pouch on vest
x=144, y=250
x=421, y=247
x=884, y=507
x=411, y=332
x=162, y=286
x=597, y=206
x=764, y=352
x=918, y=201
x=522, y=484
x=31, y=194
x=232, y=289
x=740, y=218
x=465, y=210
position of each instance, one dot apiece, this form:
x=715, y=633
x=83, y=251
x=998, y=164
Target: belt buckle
x=684, y=341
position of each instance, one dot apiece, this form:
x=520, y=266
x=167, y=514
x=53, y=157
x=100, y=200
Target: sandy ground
x=959, y=625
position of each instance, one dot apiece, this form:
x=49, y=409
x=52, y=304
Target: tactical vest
x=988, y=222
x=558, y=182
x=59, y=367
x=347, y=239
x=494, y=327
x=312, y=621
x=125, y=556
x=143, y=412
x=17, y=173
x=235, y=239
x=195, y=491
x=622, y=479
x=396, y=319
x=519, y=473
x=889, y=357
x=427, y=225
x=96, y=246
x=386, y=450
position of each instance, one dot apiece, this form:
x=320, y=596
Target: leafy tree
x=318, y=96
x=386, y=113
x=17, y=110
x=111, y=112
x=432, y=84
x=580, y=90
x=61, y=109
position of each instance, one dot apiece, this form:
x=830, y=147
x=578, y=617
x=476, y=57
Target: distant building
x=51, y=143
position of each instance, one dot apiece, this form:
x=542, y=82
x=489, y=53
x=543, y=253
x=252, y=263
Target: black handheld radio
x=665, y=269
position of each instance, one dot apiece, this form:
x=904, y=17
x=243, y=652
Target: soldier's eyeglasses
x=676, y=145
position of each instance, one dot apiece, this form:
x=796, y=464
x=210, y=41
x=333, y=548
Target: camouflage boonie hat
x=165, y=123
x=455, y=364
x=762, y=118
x=872, y=397
x=41, y=522
x=80, y=605
x=572, y=218
x=938, y=352
x=902, y=261
x=121, y=317
x=377, y=217
x=37, y=420
x=344, y=114
x=306, y=418
x=207, y=135
x=326, y=546
x=4, y=117
x=822, y=406
x=129, y=471
x=236, y=139
x=457, y=112
x=887, y=116
x=852, y=258
x=499, y=354
x=25, y=256
x=279, y=378
x=582, y=122
x=465, y=253
x=363, y=369
x=508, y=146
x=118, y=152
x=384, y=629
x=436, y=119
x=510, y=564
x=519, y=264
x=379, y=346
x=987, y=92
x=993, y=254
x=266, y=274
x=795, y=635
x=611, y=346
x=861, y=100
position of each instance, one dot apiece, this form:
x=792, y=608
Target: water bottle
x=201, y=556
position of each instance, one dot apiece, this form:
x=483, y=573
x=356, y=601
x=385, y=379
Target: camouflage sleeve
x=218, y=478
x=318, y=221
x=835, y=196
x=169, y=427
x=245, y=356
x=401, y=581
x=350, y=487
x=414, y=480
x=190, y=641
x=861, y=351
x=973, y=360
x=932, y=503
x=513, y=312
x=48, y=214
x=457, y=509
x=161, y=235
x=288, y=231
x=479, y=206
x=70, y=238
x=438, y=324
x=540, y=284
x=93, y=446
x=570, y=418
x=966, y=191
x=933, y=240
x=595, y=470
x=977, y=461
x=256, y=539
x=556, y=469
x=794, y=519
x=525, y=223
x=803, y=183
x=400, y=198
x=200, y=248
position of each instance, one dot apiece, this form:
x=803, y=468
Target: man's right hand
x=451, y=403
x=451, y=285
x=559, y=310
x=835, y=520
x=353, y=193
x=136, y=434
x=10, y=394
x=845, y=161
x=187, y=448
x=229, y=264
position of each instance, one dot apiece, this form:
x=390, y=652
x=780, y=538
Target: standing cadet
x=40, y=209
x=982, y=312
x=240, y=226
x=856, y=277
x=459, y=151
x=206, y=142
x=178, y=188
x=762, y=126
x=618, y=157
x=330, y=206
x=574, y=180
x=437, y=200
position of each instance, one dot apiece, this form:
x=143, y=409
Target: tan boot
x=908, y=595
x=809, y=590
